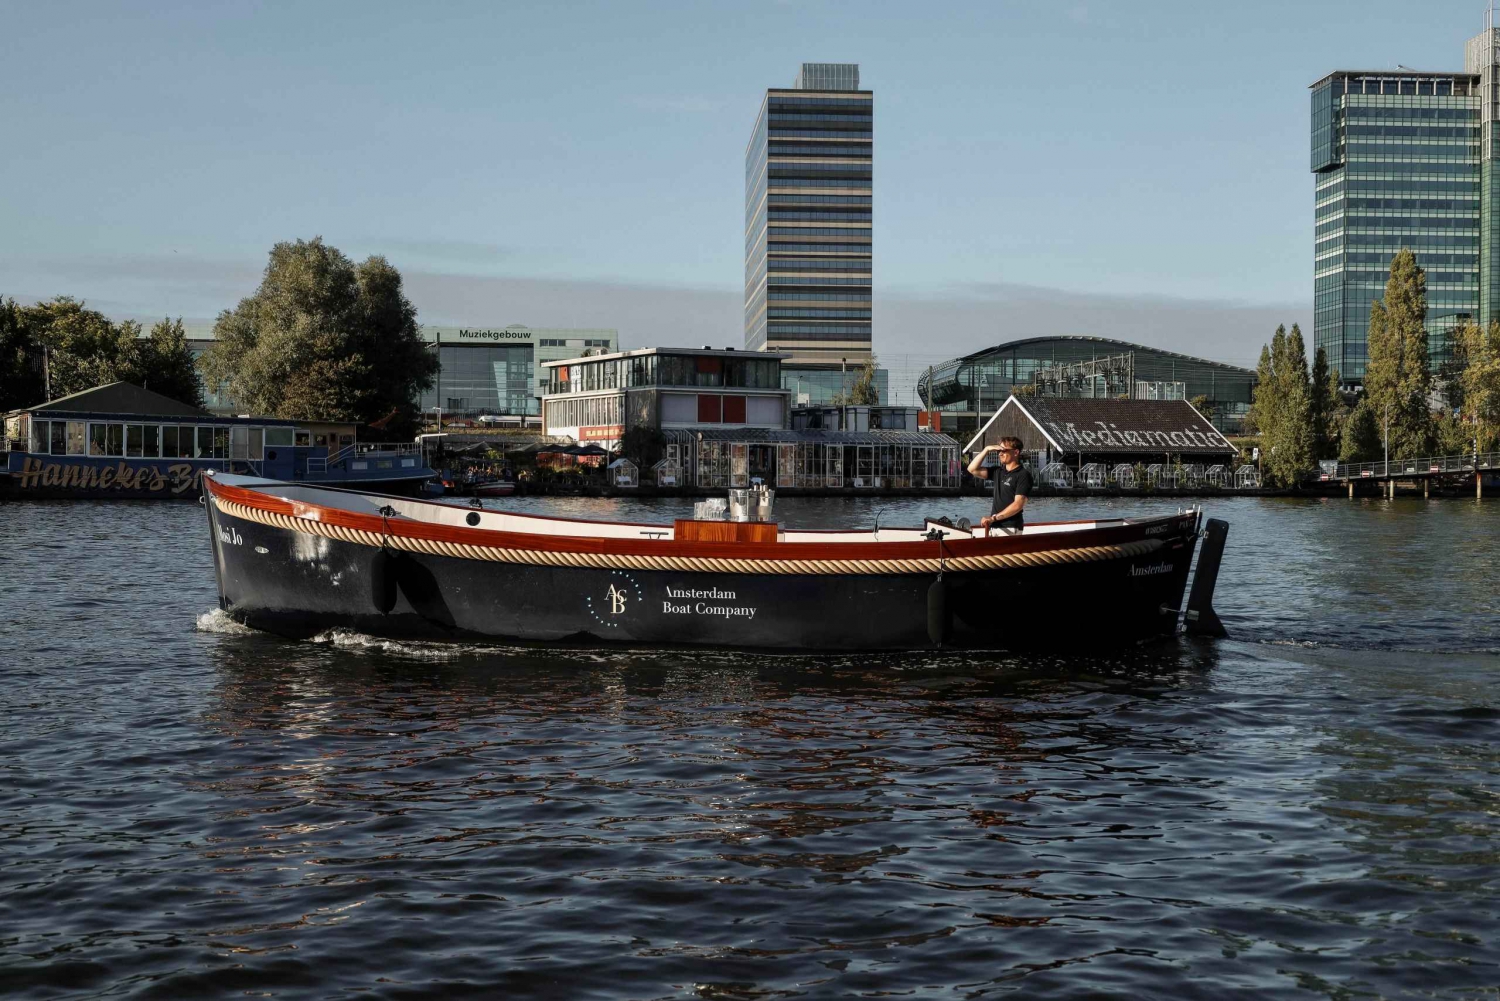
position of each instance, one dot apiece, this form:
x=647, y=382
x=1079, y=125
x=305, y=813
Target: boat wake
x=218, y=621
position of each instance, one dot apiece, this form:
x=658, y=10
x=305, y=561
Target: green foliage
x=20, y=360
x=1360, y=441
x=643, y=445
x=1201, y=404
x=1479, y=383
x=1283, y=409
x=62, y=345
x=161, y=362
x=863, y=391
x=1327, y=407
x=1397, y=381
x=324, y=339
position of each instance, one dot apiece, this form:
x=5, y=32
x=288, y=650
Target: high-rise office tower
x=1406, y=159
x=807, y=222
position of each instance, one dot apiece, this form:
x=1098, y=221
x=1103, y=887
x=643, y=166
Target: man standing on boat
x=1012, y=484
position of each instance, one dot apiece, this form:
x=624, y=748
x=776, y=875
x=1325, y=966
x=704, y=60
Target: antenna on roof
x=1407, y=68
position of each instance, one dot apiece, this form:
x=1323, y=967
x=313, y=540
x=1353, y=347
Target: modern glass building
x=808, y=182
x=1397, y=164
x=497, y=370
x=1082, y=368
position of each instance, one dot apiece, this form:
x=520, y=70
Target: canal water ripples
x=191, y=809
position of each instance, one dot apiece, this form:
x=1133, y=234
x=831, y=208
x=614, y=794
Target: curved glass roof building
x=1076, y=366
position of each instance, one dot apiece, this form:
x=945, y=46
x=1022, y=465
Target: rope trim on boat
x=610, y=561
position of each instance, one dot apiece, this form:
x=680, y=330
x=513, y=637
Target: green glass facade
x=1396, y=164
x=808, y=204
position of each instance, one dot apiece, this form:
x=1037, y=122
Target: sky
x=1134, y=170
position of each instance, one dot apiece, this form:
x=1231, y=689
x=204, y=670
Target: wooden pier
x=1446, y=469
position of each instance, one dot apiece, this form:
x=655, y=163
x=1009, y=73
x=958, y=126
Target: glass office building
x=497, y=370
x=808, y=183
x=1405, y=159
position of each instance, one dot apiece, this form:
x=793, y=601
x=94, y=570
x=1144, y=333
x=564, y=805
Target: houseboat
x=122, y=441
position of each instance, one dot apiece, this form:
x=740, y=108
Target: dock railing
x=1433, y=465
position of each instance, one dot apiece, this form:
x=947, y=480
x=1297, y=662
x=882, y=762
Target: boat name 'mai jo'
x=690, y=606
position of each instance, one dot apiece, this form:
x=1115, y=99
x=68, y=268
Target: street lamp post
x=1387, y=439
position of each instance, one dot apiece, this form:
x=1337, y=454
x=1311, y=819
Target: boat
x=492, y=488
x=298, y=559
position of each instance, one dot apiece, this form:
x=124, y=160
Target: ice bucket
x=751, y=503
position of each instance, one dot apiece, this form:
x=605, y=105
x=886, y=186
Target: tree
x=1282, y=408
x=1326, y=405
x=1360, y=441
x=21, y=383
x=1479, y=383
x=81, y=345
x=643, y=445
x=1397, y=380
x=324, y=339
x=1291, y=440
x=864, y=391
x=161, y=362
x=1201, y=404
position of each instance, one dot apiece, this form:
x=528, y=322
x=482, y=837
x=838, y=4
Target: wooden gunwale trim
x=794, y=551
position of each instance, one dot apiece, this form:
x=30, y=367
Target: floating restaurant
x=123, y=441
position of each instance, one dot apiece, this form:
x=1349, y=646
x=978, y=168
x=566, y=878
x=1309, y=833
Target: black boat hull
x=298, y=584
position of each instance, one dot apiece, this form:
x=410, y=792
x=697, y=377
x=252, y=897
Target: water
x=190, y=809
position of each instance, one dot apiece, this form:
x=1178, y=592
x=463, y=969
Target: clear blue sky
x=566, y=162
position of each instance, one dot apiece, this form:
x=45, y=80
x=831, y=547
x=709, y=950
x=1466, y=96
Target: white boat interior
x=465, y=516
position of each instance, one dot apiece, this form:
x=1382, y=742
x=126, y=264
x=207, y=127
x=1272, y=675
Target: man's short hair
x=1011, y=442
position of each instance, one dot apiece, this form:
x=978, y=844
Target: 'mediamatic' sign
x=1069, y=435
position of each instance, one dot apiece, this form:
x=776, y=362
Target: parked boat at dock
x=298, y=559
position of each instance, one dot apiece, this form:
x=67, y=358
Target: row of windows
x=665, y=370
x=1413, y=204
x=858, y=233
x=591, y=412
x=1402, y=151
x=818, y=264
x=1413, y=131
x=1433, y=277
x=1408, y=86
x=1414, y=114
x=780, y=170
x=820, y=182
x=780, y=199
x=1455, y=186
x=801, y=296
x=862, y=249
x=1396, y=165
x=1398, y=241
x=853, y=150
x=781, y=101
x=847, y=331
x=852, y=215
x=1447, y=260
x=821, y=134
x=818, y=314
x=788, y=118
x=821, y=280
x=1410, y=222
x=156, y=441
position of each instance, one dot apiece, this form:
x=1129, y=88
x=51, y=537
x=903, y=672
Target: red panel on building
x=734, y=410
x=708, y=409
x=708, y=363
